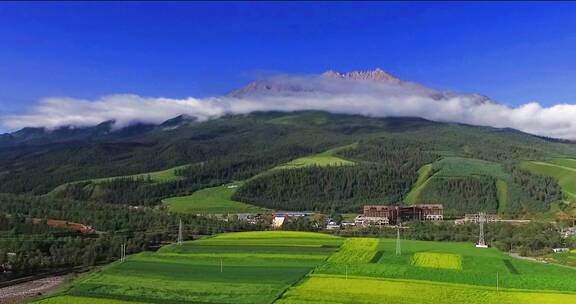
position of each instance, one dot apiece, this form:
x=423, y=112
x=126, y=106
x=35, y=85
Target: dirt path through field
x=17, y=293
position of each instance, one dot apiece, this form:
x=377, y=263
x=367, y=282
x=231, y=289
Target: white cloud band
x=379, y=100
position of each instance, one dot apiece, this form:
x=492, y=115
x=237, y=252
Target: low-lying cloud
x=306, y=93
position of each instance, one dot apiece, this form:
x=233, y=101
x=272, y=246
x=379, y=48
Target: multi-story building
x=390, y=214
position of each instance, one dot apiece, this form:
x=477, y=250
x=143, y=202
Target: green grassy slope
x=424, y=175
x=219, y=199
x=324, y=159
x=214, y=200
x=563, y=170
x=156, y=176
x=161, y=176
x=250, y=268
x=503, y=195
x=432, y=178
x=462, y=167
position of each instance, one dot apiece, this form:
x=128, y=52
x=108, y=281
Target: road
x=17, y=293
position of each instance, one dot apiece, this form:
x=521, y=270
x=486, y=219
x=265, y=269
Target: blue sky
x=512, y=52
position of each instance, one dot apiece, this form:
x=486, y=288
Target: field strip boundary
x=427, y=282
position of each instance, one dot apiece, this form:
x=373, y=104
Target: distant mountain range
x=333, y=81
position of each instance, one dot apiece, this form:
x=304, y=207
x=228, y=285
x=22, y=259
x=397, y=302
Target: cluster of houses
x=381, y=215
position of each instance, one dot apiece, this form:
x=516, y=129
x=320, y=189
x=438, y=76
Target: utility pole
x=398, y=246
x=481, y=241
x=180, y=233
x=497, y=282
x=122, y=252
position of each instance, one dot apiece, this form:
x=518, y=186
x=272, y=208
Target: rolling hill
x=183, y=156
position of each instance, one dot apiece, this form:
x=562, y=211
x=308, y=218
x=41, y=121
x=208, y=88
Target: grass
x=324, y=159
x=356, y=250
x=437, y=260
x=214, y=200
x=254, y=267
x=563, y=170
x=503, y=195
x=218, y=200
x=478, y=267
x=465, y=167
x=302, y=268
x=162, y=176
x=424, y=174
x=340, y=289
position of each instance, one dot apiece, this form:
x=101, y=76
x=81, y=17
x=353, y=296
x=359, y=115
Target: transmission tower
x=398, y=245
x=122, y=252
x=481, y=219
x=180, y=233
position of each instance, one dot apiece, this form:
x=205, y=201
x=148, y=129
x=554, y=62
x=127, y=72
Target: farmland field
x=478, y=267
x=460, y=273
x=356, y=250
x=211, y=201
x=563, y=170
x=339, y=289
x=437, y=260
x=252, y=267
x=300, y=267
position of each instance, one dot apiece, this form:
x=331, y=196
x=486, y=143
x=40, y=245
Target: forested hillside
x=468, y=168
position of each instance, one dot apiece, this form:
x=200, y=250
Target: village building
x=391, y=214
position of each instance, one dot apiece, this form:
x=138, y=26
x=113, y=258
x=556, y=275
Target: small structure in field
x=279, y=218
x=558, y=250
x=474, y=218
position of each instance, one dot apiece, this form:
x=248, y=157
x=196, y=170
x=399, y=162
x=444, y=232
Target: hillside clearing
x=214, y=200
x=560, y=169
x=326, y=158
x=424, y=174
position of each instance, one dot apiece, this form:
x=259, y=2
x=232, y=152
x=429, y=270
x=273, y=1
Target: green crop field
x=215, y=200
x=478, y=267
x=339, y=289
x=563, y=170
x=434, y=272
x=437, y=260
x=252, y=267
x=356, y=250
x=301, y=267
